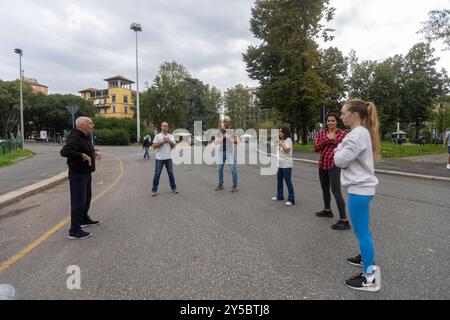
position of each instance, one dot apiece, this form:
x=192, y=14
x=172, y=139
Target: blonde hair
x=369, y=117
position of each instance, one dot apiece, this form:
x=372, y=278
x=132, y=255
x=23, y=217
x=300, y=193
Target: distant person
x=227, y=138
x=447, y=143
x=163, y=143
x=146, y=146
x=81, y=156
x=329, y=174
x=285, y=165
x=356, y=156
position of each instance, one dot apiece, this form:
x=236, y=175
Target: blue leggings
x=360, y=217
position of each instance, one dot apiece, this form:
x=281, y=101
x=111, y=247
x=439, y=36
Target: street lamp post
x=20, y=53
x=137, y=27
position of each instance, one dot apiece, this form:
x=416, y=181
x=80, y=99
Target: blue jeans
x=232, y=163
x=360, y=217
x=147, y=153
x=286, y=175
x=158, y=168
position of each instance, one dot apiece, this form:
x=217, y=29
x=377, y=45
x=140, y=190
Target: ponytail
x=368, y=114
x=372, y=124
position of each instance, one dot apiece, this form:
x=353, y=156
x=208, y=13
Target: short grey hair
x=80, y=120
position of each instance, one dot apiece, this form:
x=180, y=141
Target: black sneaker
x=325, y=214
x=90, y=223
x=341, y=225
x=356, y=261
x=79, y=235
x=361, y=283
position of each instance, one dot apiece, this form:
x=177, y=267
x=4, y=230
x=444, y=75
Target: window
x=125, y=99
x=126, y=110
x=113, y=99
x=114, y=109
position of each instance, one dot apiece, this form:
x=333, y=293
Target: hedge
x=112, y=137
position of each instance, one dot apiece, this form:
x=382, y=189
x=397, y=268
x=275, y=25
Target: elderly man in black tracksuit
x=81, y=155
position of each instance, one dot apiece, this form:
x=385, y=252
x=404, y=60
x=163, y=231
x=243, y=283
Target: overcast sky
x=73, y=45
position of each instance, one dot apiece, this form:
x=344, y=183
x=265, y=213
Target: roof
x=34, y=82
x=119, y=78
x=88, y=90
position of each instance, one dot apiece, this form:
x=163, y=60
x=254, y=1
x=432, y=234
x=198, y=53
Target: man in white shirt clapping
x=163, y=143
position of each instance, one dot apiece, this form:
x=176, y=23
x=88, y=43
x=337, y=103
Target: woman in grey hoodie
x=356, y=156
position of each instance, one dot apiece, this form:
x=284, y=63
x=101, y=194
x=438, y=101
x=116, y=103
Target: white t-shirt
x=285, y=159
x=165, y=151
x=447, y=136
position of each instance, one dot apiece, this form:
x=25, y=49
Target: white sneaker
x=289, y=203
x=448, y=166
x=274, y=199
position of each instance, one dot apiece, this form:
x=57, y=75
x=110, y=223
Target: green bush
x=112, y=137
x=127, y=124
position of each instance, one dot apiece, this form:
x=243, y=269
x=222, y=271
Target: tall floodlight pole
x=137, y=27
x=20, y=53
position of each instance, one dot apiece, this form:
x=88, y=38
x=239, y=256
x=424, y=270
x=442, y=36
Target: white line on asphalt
x=387, y=172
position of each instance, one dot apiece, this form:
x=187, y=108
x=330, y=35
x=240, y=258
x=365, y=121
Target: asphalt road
x=45, y=164
x=202, y=244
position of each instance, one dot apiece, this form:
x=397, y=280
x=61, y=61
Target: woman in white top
x=285, y=164
x=356, y=156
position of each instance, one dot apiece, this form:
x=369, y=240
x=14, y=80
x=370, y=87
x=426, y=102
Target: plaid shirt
x=326, y=147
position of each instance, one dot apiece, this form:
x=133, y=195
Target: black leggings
x=332, y=177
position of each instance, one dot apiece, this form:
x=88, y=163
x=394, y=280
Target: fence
x=7, y=146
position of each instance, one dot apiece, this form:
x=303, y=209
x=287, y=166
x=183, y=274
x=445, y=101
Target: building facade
x=115, y=102
x=36, y=86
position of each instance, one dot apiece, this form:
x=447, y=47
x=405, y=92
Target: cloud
x=71, y=45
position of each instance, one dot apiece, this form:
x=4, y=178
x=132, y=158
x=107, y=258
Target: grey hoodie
x=355, y=157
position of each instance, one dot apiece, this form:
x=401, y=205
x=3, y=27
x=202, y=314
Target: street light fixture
x=137, y=27
x=20, y=53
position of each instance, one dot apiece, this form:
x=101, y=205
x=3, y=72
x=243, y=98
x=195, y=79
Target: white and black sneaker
x=79, y=235
x=361, y=283
x=90, y=223
x=355, y=261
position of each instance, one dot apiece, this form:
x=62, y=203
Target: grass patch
x=307, y=148
x=15, y=156
x=391, y=150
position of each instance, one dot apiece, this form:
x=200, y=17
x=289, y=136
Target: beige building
x=115, y=102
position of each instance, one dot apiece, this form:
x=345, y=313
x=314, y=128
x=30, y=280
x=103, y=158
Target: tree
x=332, y=70
x=201, y=103
x=437, y=27
x=285, y=63
x=239, y=107
x=179, y=99
x=164, y=101
x=10, y=106
x=422, y=84
x=385, y=92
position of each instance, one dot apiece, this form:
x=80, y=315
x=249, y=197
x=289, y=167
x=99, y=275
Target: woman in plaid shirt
x=329, y=174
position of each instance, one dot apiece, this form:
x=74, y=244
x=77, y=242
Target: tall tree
x=165, y=100
x=438, y=27
x=202, y=104
x=10, y=106
x=385, y=92
x=239, y=106
x=332, y=70
x=285, y=63
x=422, y=84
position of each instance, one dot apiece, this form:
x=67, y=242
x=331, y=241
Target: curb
x=386, y=172
x=37, y=187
